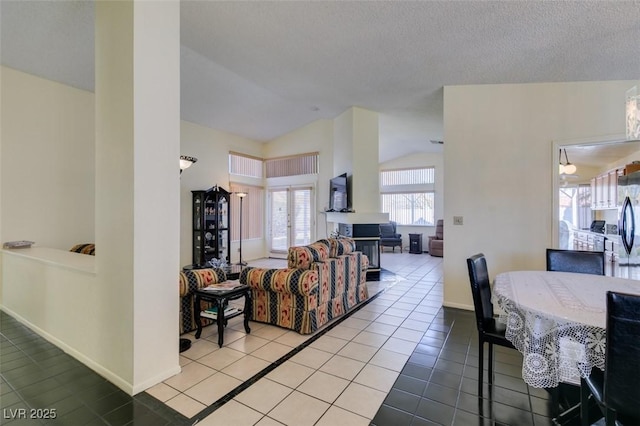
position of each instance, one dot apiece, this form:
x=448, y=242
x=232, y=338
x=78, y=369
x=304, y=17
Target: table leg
x=248, y=306
x=196, y=315
x=220, y=321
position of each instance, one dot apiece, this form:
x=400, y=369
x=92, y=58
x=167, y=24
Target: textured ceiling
x=261, y=69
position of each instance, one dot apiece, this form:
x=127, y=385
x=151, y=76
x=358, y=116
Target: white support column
x=137, y=99
x=356, y=153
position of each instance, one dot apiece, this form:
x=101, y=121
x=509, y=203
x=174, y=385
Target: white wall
x=315, y=137
x=47, y=162
x=137, y=104
x=424, y=159
x=498, y=165
x=104, y=314
x=211, y=148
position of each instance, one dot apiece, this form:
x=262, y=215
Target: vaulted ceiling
x=261, y=69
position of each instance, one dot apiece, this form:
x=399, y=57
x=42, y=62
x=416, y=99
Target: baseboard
x=112, y=377
x=458, y=306
x=155, y=380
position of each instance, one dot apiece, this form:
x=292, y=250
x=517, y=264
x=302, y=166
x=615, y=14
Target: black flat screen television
x=339, y=193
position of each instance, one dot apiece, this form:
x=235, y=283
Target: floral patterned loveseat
x=322, y=281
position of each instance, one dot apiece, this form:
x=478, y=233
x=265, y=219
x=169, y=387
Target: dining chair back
x=489, y=331
x=617, y=391
x=584, y=262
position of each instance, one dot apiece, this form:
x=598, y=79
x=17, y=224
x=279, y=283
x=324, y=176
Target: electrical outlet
x=457, y=220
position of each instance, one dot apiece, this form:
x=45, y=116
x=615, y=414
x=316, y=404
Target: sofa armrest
x=293, y=281
x=191, y=280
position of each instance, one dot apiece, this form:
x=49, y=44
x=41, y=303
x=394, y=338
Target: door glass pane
x=279, y=220
x=301, y=223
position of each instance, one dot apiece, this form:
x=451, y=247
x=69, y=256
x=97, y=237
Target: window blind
x=303, y=164
x=245, y=165
x=252, y=212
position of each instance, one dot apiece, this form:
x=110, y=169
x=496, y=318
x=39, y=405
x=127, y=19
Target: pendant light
x=569, y=168
x=560, y=165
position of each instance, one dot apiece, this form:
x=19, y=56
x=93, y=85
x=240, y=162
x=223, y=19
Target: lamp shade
x=567, y=168
x=241, y=194
x=186, y=161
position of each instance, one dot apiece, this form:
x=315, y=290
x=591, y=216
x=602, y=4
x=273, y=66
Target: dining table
x=557, y=320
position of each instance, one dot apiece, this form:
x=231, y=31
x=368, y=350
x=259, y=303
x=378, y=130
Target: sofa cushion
x=295, y=281
x=387, y=230
x=87, y=248
x=341, y=246
x=191, y=280
x=303, y=256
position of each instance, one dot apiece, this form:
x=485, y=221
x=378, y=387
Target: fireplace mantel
x=357, y=218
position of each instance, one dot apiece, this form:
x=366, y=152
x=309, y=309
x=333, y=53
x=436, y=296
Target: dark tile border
x=232, y=394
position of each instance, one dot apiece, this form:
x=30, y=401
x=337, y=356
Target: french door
x=291, y=219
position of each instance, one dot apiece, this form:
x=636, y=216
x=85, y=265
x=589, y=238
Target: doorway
x=290, y=218
x=589, y=193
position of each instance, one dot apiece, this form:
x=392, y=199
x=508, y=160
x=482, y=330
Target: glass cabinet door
x=210, y=225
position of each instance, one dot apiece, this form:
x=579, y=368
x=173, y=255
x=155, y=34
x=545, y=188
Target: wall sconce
x=186, y=162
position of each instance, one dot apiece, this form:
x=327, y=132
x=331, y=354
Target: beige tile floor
x=341, y=378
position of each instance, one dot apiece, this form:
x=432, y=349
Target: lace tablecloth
x=557, y=321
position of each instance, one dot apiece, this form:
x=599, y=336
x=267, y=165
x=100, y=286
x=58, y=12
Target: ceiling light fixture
x=567, y=168
x=186, y=162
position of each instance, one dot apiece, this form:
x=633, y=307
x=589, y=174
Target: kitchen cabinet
x=588, y=241
x=604, y=190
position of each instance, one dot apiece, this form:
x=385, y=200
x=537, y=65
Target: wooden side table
x=220, y=299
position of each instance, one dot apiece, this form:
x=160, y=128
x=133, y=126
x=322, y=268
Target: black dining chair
x=585, y=262
x=489, y=330
x=565, y=397
x=617, y=389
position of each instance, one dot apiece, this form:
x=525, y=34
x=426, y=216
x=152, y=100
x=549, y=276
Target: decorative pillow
x=303, y=256
x=191, y=280
x=319, y=250
x=87, y=248
x=341, y=246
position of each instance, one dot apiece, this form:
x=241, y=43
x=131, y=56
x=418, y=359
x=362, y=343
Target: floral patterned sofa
x=189, y=281
x=322, y=281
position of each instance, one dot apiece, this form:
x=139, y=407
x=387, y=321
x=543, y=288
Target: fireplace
x=367, y=238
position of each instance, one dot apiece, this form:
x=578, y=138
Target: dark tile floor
x=40, y=384
x=439, y=385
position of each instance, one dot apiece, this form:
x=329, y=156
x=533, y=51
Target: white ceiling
x=261, y=69
x=600, y=155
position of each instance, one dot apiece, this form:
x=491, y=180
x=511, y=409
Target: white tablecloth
x=557, y=321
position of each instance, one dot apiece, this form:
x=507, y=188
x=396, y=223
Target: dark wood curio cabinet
x=211, y=221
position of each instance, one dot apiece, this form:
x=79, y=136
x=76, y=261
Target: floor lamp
x=185, y=162
x=241, y=195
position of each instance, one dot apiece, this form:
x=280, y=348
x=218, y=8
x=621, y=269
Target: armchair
x=389, y=237
x=436, y=242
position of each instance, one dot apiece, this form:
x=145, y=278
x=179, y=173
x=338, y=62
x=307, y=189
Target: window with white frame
x=293, y=165
x=252, y=212
x=245, y=165
x=408, y=195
